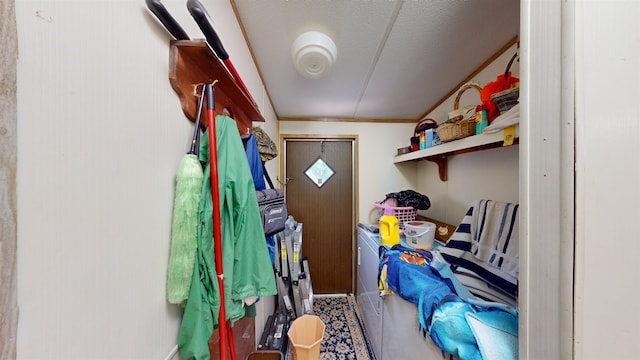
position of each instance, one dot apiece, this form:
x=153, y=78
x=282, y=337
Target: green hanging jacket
x=248, y=271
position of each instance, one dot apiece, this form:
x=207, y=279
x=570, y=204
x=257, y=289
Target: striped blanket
x=486, y=242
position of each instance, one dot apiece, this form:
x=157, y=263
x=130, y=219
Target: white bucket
x=420, y=234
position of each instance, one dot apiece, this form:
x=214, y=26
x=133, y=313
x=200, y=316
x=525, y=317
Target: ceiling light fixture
x=313, y=54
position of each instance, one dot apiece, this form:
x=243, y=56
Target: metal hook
x=195, y=89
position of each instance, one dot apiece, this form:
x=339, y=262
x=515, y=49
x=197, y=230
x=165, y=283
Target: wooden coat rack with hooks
x=191, y=63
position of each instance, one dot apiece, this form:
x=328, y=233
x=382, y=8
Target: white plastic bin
x=420, y=234
x=305, y=336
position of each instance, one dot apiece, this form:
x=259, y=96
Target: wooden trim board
x=8, y=190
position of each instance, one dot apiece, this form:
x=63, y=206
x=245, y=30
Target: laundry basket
x=404, y=214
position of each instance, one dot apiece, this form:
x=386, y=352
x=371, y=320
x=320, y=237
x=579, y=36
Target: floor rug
x=344, y=335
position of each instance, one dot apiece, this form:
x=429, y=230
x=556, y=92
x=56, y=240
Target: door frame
x=8, y=188
x=283, y=138
x=547, y=178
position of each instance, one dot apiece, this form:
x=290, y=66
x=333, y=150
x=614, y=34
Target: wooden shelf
x=440, y=153
x=191, y=62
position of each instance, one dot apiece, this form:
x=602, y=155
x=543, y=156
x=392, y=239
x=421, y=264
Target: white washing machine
x=368, y=296
x=391, y=322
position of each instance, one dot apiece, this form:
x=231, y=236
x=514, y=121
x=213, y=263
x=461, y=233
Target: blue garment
x=457, y=323
x=255, y=163
x=411, y=280
x=271, y=246
x=257, y=172
x=418, y=282
x=474, y=329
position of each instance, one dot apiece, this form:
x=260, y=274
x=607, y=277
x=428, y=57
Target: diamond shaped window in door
x=319, y=172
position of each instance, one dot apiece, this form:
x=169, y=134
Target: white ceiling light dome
x=313, y=54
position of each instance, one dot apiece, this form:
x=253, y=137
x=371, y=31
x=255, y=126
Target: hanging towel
x=495, y=235
x=486, y=242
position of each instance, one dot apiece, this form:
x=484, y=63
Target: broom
x=225, y=332
x=184, y=226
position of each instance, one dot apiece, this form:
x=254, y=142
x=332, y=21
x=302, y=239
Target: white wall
x=377, y=144
x=100, y=135
x=490, y=174
x=94, y=206
x=607, y=179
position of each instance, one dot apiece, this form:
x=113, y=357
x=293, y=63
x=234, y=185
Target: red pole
x=232, y=344
x=201, y=16
x=224, y=328
x=238, y=79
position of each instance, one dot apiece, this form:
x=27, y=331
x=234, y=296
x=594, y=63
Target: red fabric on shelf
x=493, y=87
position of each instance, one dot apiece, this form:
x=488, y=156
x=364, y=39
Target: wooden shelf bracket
x=191, y=63
x=442, y=162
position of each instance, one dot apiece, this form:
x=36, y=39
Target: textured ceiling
x=395, y=59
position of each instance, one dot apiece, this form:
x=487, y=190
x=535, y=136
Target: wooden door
x=325, y=208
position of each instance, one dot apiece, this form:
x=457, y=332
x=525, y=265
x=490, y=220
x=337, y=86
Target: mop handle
x=223, y=332
x=166, y=19
x=238, y=79
x=195, y=141
x=201, y=17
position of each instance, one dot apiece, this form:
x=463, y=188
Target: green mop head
x=184, y=229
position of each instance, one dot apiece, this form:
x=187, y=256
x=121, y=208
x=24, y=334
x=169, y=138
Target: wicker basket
x=506, y=99
x=458, y=127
